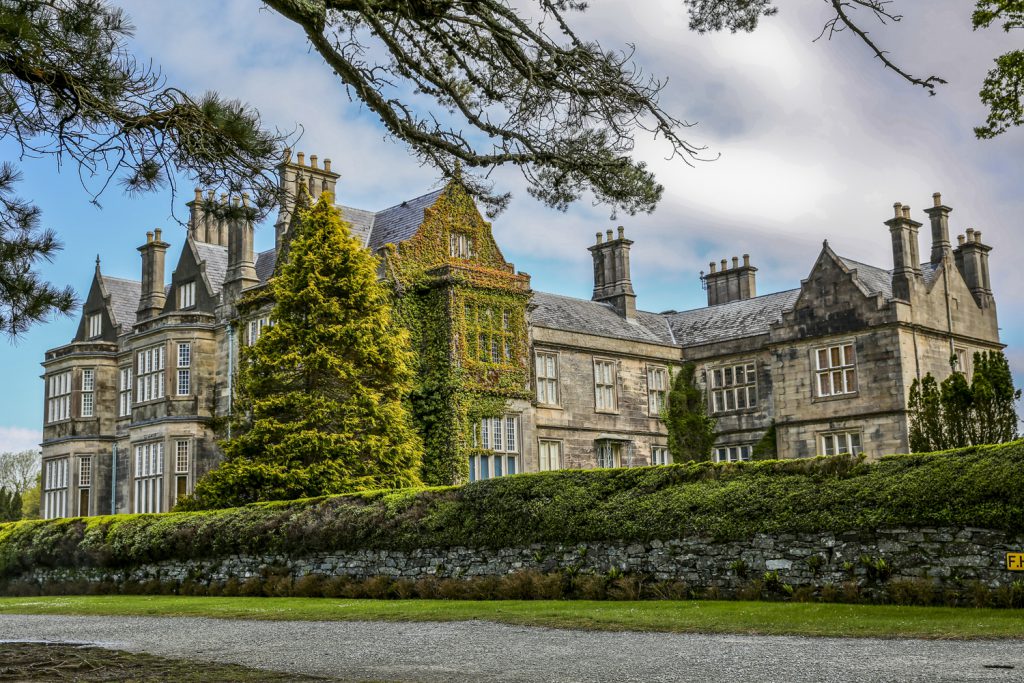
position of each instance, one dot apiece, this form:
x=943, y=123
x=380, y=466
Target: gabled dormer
x=198, y=278
x=110, y=303
x=839, y=295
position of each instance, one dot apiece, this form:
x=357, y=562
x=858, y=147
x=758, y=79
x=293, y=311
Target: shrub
x=723, y=501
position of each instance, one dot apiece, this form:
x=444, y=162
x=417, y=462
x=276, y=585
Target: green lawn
x=772, y=618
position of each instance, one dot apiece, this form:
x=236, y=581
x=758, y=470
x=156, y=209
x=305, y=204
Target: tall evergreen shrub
x=319, y=403
x=691, y=432
x=956, y=413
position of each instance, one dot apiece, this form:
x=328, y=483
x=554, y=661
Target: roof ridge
x=120, y=279
x=737, y=301
x=406, y=201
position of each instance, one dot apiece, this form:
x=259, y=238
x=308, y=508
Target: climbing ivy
x=465, y=309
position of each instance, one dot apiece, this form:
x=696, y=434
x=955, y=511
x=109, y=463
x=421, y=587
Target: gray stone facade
x=830, y=362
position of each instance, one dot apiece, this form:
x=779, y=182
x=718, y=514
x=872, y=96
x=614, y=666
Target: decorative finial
x=824, y=244
x=97, y=263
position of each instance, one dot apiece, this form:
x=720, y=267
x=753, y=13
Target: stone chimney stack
x=295, y=177
x=730, y=284
x=241, y=273
x=151, y=302
x=906, y=270
x=939, y=215
x=612, y=283
x=971, y=257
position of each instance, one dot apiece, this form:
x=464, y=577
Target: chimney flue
x=152, y=298
x=726, y=284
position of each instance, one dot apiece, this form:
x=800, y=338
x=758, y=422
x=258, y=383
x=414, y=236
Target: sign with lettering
x=1015, y=562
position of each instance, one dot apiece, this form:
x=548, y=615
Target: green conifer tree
x=955, y=414
x=320, y=397
x=691, y=432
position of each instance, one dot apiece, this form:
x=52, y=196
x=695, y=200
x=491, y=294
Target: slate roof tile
x=399, y=223
x=124, y=299
x=734, y=320
x=216, y=258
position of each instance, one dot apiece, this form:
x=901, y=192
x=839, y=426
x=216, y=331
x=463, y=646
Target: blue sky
x=816, y=140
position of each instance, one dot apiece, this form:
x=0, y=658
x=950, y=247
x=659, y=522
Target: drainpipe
x=113, y=482
x=231, y=371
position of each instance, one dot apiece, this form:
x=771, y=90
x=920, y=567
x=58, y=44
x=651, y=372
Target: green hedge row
x=978, y=487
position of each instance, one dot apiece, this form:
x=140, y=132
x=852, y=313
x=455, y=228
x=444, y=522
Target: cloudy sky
x=816, y=141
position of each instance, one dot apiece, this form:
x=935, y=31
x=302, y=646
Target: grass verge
x=55, y=662
x=705, y=616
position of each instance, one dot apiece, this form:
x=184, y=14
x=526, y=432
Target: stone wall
x=945, y=556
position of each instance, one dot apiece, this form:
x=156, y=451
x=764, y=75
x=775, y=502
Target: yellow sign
x=1015, y=562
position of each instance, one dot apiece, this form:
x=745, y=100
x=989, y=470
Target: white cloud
x=15, y=439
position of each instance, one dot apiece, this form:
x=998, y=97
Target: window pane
x=728, y=376
x=824, y=386
x=511, y=465
x=741, y=398
x=717, y=375
x=822, y=359
x=741, y=375
x=751, y=396
x=848, y=354
x=851, y=380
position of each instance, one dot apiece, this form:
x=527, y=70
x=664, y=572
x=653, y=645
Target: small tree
x=691, y=433
x=955, y=414
x=18, y=470
x=319, y=397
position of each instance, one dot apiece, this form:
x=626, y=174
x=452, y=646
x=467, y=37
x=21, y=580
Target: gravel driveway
x=483, y=651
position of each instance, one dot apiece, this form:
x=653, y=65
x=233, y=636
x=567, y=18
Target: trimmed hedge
x=976, y=487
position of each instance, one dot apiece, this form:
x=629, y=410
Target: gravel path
x=483, y=651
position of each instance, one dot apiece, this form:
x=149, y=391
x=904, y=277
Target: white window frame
x=187, y=295
x=605, y=399
x=546, y=363
x=737, y=453
x=150, y=364
x=836, y=370
x=549, y=455
x=496, y=443
x=182, y=465
x=94, y=325
x=55, y=488
x=460, y=245
x=87, y=405
x=608, y=453
x=147, y=476
x=58, y=392
x=841, y=442
x=184, y=383
x=125, y=391
x=660, y=455
x=85, y=471
x=657, y=389
x=733, y=386
x=255, y=330
x=963, y=361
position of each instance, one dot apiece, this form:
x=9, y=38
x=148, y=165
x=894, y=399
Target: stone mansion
x=134, y=402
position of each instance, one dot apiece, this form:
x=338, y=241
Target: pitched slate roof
x=879, y=280
x=399, y=223
x=361, y=221
x=265, y=262
x=558, y=312
x=736, y=319
x=216, y=258
x=124, y=298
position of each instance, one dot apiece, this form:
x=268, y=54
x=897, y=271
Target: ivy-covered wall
x=465, y=308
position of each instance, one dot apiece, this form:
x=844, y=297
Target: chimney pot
x=970, y=234
x=960, y=240
x=157, y=233
x=236, y=201
x=287, y=154
x=608, y=235
x=149, y=236
x=210, y=196
x=301, y=156
x=897, y=207
x=313, y=161
x=906, y=211
x=622, y=232
x=327, y=165
x=245, y=199
x=977, y=236
x=223, y=197
x=599, y=237
x=713, y=267
x=735, y=261
x=199, y=195
x=725, y=265
x=937, y=199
